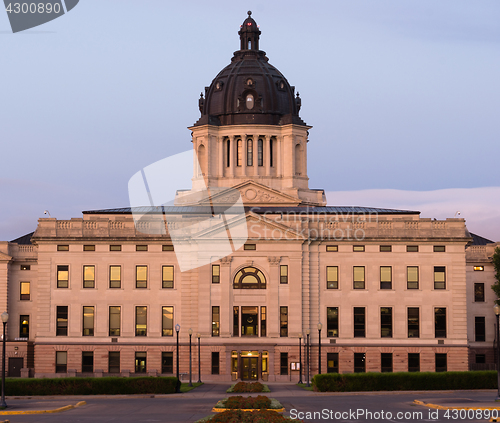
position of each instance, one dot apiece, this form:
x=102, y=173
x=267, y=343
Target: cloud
x=480, y=207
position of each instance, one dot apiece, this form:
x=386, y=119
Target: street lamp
x=300, y=357
x=308, y=331
x=198, y=335
x=496, y=309
x=178, y=386
x=190, y=331
x=5, y=318
x=320, y=326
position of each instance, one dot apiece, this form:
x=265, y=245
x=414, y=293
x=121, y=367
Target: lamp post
x=300, y=357
x=190, y=366
x=198, y=335
x=177, y=329
x=320, y=326
x=5, y=318
x=308, y=331
x=496, y=309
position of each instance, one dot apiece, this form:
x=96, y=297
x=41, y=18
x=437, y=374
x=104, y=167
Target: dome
x=249, y=90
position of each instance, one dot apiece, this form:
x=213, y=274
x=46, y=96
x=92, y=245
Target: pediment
x=5, y=257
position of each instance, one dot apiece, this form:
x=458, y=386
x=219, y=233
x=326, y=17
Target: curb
x=442, y=407
x=221, y=410
x=56, y=410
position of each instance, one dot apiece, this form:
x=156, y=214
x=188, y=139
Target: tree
x=496, y=264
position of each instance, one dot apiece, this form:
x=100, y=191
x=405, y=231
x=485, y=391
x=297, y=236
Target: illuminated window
x=89, y=248
x=385, y=277
x=332, y=362
x=62, y=276
x=215, y=273
x=63, y=248
x=332, y=277
x=239, y=153
x=412, y=277
x=115, y=248
x=61, y=361
x=284, y=274
x=385, y=248
x=263, y=321
x=358, y=248
x=141, y=248
x=249, y=247
x=24, y=326
x=115, y=276
x=167, y=248
x=88, y=321
x=479, y=292
x=25, y=291
x=215, y=321
x=62, y=321
x=332, y=322
x=249, y=278
x=168, y=276
x=141, y=319
x=283, y=321
x=141, y=278
x=332, y=248
x=250, y=101
x=439, y=277
x=25, y=267
x=114, y=320
x=140, y=362
x=359, y=277
x=478, y=268
x=167, y=321
x=89, y=276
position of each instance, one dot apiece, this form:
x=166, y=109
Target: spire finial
x=249, y=13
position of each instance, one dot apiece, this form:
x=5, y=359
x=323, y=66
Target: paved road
x=189, y=407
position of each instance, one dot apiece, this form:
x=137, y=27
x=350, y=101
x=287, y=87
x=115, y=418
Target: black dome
x=249, y=89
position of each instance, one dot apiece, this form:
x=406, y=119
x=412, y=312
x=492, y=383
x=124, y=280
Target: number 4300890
x=33, y=8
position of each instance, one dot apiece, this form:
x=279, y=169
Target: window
x=215, y=362
x=141, y=318
x=386, y=362
x=412, y=277
x=358, y=248
x=114, y=362
x=480, y=328
x=114, y=320
x=263, y=321
x=167, y=321
x=89, y=248
x=359, y=322
x=439, y=248
x=480, y=358
x=271, y=152
x=332, y=277
x=141, y=276
x=283, y=274
x=167, y=362
x=283, y=321
x=115, y=248
x=115, y=276
x=359, y=277
x=168, y=276
x=440, y=322
x=89, y=276
x=62, y=276
x=249, y=247
x=87, y=361
x=25, y=267
x=88, y=321
x=25, y=291
x=412, y=248
x=236, y=321
x=413, y=322
x=478, y=292
x=63, y=248
x=441, y=362
x=62, y=321
x=260, y=152
x=385, y=248
x=61, y=361
x=439, y=277
x=332, y=322
x=215, y=321
x=386, y=322
x=141, y=248
x=332, y=248
x=283, y=363
x=140, y=362
x=239, y=153
x=24, y=326
x=478, y=268
x=413, y=362
x=359, y=363
x=215, y=273
x=249, y=278
x=249, y=152
x=167, y=248
x=332, y=362
x=385, y=277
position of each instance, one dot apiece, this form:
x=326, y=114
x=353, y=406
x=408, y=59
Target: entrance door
x=249, y=368
x=15, y=366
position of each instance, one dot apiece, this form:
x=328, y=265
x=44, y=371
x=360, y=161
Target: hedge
x=404, y=381
x=249, y=417
x=91, y=386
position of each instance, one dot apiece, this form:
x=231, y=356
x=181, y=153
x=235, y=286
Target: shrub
x=91, y=386
x=404, y=381
x=248, y=387
x=259, y=402
x=260, y=416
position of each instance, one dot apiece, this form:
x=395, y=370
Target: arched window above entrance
x=249, y=278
